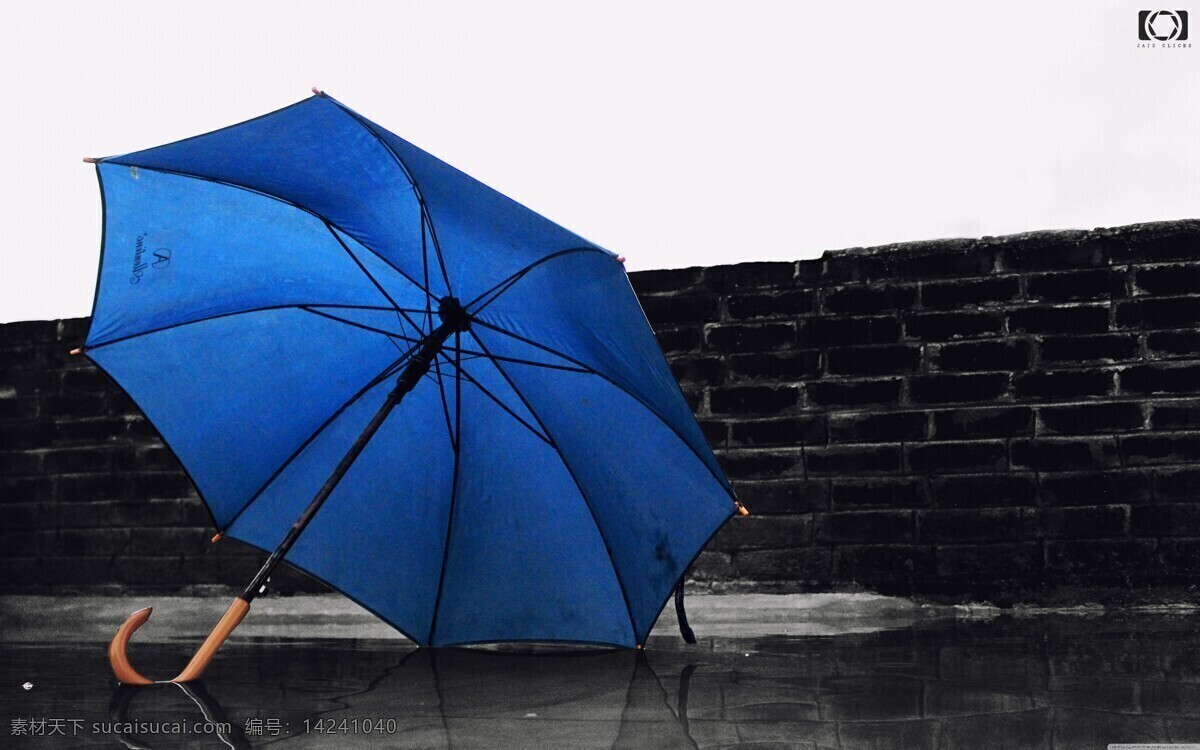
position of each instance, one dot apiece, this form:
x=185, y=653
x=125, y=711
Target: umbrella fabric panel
x=177, y=250
x=235, y=396
x=526, y=559
x=582, y=307
x=318, y=157
x=655, y=502
x=483, y=236
x=380, y=536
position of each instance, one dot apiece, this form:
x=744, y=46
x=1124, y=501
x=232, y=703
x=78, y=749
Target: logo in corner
x=158, y=259
x=1163, y=25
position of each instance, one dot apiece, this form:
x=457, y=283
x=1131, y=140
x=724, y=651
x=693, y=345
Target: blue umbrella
x=270, y=292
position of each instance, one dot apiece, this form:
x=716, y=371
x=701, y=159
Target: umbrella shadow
x=465, y=697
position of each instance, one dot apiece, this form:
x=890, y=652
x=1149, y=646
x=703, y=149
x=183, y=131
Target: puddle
x=1050, y=682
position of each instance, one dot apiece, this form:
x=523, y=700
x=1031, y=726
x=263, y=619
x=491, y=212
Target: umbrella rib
x=578, y=485
x=437, y=247
x=372, y=278
x=437, y=602
x=375, y=381
x=513, y=278
x=724, y=483
x=264, y=308
x=471, y=379
x=437, y=368
x=272, y=196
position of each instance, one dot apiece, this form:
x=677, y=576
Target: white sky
x=676, y=133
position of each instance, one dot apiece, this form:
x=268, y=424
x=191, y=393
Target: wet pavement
x=906, y=680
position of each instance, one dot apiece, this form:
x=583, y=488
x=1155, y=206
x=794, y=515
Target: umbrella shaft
x=413, y=372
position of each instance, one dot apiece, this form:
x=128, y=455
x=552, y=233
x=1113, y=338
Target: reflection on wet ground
x=1053, y=682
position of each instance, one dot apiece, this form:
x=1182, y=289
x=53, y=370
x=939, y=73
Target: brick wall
x=972, y=418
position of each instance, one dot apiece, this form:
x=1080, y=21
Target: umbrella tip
x=80, y=350
x=620, y=258
x=742, y=509
x=217, y=537
x=90, y=160
x=318, y=91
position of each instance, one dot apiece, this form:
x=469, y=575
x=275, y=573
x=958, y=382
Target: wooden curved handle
x=230, y=620
x=116, y=649
x=125, y=672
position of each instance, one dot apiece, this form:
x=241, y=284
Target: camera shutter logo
x=1162, y=25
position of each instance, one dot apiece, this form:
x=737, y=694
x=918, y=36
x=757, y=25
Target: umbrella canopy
x=262, y=285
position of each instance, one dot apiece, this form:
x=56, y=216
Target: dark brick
x=1175, y=416
x=1077, y=522
x=771, y=304
x=784, y=366
x=950, y=526
x=75, y=460
x=761, y=275
x=947, y=295
x=1107, y=347
x=18, y=408
x=853, y=459
x=950, y=458
x=684, y=308
x=986, y=491
x=89, y=379
x=826, y=332
x=1076, y=285
x=990, y=561
x=844, y=267
x=943, y=326
x=1106, y=560
x=891, y=569
x=781, y=497
x=160, y=485
x=1169, y=280
x=946, y=260
x=40, y=434
x=1174, y=343
x=75, y=405
x=1051, y=252
x=983, y=355
x=1177, y=484
x=854, y=392
x=877, y=427
x=1180, y=560
x=1056, y=454
x=702, y=370
x=1154, y=243
x=801, y=565
x=862, y=300
x=807, y=429
x=762, y=532
x=1161, y=379
x=26, y=331
x=886, y=492
x=760, y=464
x=1164, y=520
x=678, y=339
x=672, y=280
x=945, y=389
x=880, y=526
x=716, y=432
x=1080, y=420
x=1170, y=448
x=1073, y=319
x=752, y=399
x=1095, y=488
x=81, y=542
x=983, y=423
x=873, y=360
x=94, y=430
x=18, y=463
x=750, y=338
x=1176, y=312
x=1062, y=384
